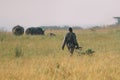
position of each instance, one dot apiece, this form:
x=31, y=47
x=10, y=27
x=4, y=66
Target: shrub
x=89, y=51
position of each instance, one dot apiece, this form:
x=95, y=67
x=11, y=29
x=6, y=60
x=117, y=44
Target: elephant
x=18, y=30
x=34, y=31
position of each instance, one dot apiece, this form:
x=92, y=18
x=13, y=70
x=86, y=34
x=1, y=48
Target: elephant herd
x=19, y=30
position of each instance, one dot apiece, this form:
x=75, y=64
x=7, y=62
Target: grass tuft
x=18, y=52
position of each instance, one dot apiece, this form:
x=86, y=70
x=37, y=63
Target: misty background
x=84, y=13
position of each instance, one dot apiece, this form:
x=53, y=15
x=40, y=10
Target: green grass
x=43, y=59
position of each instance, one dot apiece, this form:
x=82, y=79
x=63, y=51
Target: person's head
x=70, y=29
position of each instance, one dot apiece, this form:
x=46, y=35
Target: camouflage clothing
x=70, y=41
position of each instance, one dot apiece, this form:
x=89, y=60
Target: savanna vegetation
x=41, y=57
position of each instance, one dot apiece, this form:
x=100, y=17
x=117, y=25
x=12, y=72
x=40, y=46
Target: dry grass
x=43, y=58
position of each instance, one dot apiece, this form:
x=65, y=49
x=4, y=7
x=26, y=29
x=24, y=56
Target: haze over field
x=57, y=12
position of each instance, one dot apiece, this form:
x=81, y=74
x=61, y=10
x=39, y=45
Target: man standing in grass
x=70, y=41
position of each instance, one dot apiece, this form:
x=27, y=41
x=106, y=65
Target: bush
x=89, y=51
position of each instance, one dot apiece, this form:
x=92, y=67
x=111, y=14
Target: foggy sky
x=58, y=12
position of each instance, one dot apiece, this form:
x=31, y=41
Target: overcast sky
x=58, y=12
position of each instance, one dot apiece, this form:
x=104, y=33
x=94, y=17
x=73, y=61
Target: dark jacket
x=70, y=40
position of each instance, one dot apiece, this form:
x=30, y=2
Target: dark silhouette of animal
x=18, y=30
x=52, y=34
x=34, y=31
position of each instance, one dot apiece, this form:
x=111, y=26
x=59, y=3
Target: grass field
x=41, y=57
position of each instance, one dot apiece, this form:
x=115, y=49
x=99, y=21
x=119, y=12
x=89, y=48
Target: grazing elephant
x=34, y=31
x=18, y=30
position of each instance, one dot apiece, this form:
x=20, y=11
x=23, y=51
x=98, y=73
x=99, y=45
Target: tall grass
x=18, y=52
x=2, y=35
x=43, y=58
